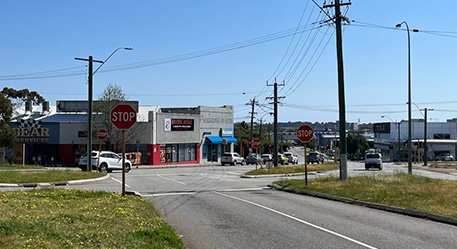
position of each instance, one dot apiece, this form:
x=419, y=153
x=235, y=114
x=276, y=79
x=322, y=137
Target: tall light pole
x=425, y=136
x=398, y=127
x=89, y=109
x=410, y=163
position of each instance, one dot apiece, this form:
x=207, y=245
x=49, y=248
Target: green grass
x=59, y=218
x=46, y=176
x=7, y=166
x=294, y=169
x=400, y=190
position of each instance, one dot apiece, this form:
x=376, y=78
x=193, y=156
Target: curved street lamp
x=398, y=127
x=410, y=164
x=89, y=111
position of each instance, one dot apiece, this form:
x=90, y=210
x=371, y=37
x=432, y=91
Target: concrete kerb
x=50, y=184
x=276, y=175
x=398, y=210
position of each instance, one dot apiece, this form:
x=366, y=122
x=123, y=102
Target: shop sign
x=82, y=133
x=226, y=132
x=32, y=135
x=182, y=124
x=381, y=128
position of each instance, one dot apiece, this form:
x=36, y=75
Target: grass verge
x=399, y=190
x=46, y=176
x=294, y=169
x=7, y=166
x=60, y=218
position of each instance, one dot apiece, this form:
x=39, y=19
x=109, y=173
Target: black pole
x=425, y=139
x=341, y=98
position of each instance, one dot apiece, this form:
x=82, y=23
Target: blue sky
x=214, y=53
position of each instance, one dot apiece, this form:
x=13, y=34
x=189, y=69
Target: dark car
x=254, y=159
x=315, y=157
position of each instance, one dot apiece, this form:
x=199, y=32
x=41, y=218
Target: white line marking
x=231, y=173
x=218, y=178
x=168, y=194
x=299, y=220
x=169, y=179
x=114, y=179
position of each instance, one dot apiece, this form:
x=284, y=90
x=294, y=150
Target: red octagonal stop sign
x=123, y=116
x=101, y=134
x=305, y=133
x=256, y=143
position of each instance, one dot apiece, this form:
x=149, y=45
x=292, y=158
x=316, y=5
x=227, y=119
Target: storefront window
x=178, y=153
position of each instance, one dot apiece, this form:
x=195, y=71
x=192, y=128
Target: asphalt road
x=212, y=207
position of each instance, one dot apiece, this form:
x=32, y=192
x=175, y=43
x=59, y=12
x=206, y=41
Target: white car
x=232, y=159
x=293, y=158
x=109, y=161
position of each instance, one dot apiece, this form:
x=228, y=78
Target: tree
x=7, y=135
x=23, y=95
x=111, y=96
x=356, y=143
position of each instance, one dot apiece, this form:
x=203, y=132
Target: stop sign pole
x=123, y=117
x=256, y=144
x=305, y=133
x=101, y=134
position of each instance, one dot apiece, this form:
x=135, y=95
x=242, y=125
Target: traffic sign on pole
x=101, y=134
x=123, y=116
x=256, y=143
x=305, y=133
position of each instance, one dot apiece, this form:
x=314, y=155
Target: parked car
x=232, y=159
x=254, y=159
x=267, y=157
x=109, y=161
x=282, y=159
x=315, y=157
x=444, y=157
x=292, y=157
x=373, y=160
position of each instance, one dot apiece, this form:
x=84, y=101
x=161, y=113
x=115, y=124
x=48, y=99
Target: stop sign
x=305, y=133
x=256, y=143
x=101, y=134
x=123, y=116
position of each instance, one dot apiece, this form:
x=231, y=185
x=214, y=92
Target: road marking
x=299, y=220
x=218, y=178
x=114, y=179
x=169, y=194
x=205, y=191
x=169, y=179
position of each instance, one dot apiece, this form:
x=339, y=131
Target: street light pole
x=410, y=164
x=90, y=100
x=398, y=127
x=425, y=136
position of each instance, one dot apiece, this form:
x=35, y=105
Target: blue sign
x=137, y=144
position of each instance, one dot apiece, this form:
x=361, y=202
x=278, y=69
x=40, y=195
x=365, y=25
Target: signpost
x=123, y=117
x=256, y=144
x=305, y=133
x=101, y=134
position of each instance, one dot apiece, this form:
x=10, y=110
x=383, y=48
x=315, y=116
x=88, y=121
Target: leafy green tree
x=23, y=95
x=7, y=135
x=356, y=142
x=111, y=96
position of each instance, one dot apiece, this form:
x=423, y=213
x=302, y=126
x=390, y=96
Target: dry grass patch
x=294, y=169
x=400, y=190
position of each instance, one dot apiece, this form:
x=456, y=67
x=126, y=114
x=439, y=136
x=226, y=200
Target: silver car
x=232, y=159
x=109, y=161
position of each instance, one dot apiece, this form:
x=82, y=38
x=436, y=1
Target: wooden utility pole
x=342, y=105
x=275, y=123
